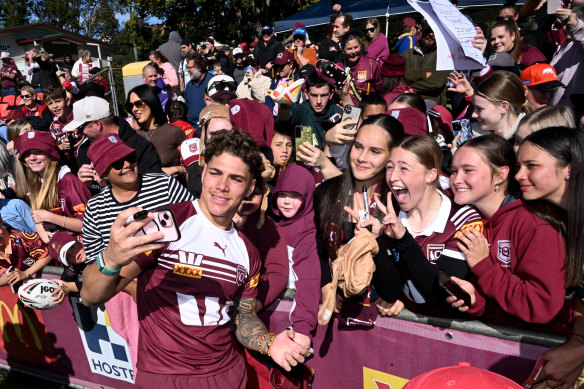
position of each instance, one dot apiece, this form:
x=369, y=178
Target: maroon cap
x=298, y=24
x=408, y=22
x=15, y=114
x=393, y=65
x=444, y=117
x=36, y=140
x=244, y=47
x=107, y=150
x=284, y=57
x=211, y=40
x=59, y=244
x=459, y=377
x=253, y=44
x=414, y=121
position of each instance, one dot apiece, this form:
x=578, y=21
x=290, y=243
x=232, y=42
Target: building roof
x=43, y=32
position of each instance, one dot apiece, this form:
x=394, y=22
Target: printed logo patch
x=434, y=252
x=254, y=281
x=235, y=109
x=241, y=275
x=112, y=139
x=476, y=225
x=187, y=271
x=362, y=75
x=504, y=252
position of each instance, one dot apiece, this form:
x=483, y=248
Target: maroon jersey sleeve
x=250, y=288
x=73, y=195
x=26, y=249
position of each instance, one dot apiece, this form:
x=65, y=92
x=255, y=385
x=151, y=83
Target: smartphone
x=463, y=128
x=303, y=134
x=553, y=5
x=351, y=113
x=452, y=288
x=16, y=286
x=163, y=221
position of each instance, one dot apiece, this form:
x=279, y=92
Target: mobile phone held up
x=351, y=113
x=463, y=128
x=452, y=288
x=164, y=221
x=303, y=134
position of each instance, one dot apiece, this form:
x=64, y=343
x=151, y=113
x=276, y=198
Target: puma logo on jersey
x=215, y=244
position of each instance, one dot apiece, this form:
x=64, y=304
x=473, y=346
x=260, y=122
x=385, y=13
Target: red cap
x=15, y=114
x=284, y=57
x=393, y=65
x=244, y=47
x=107, y=150
x=408, y=22
x=414, y=121
x=541, y=76
x=463, y=376
x=36, y=140
x=298, y=24
x=253, y=44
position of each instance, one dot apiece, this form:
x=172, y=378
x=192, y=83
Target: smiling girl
x=56, y=195
x=519, y=262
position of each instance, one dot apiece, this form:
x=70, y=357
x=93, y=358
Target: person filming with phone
x=193, y=290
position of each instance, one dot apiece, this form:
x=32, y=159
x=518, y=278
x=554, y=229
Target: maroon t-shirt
x=26, y=249
x=73, y=197
x=185, y=294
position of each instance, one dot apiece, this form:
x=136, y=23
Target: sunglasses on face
x=138, y=104
x=119, y=164
x=26, y=96
x=372, y=29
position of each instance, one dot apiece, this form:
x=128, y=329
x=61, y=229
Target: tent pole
x=387, y=20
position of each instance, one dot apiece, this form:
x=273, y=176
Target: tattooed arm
x=249, y=330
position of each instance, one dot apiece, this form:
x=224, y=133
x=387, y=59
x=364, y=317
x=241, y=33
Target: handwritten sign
x=454, y=33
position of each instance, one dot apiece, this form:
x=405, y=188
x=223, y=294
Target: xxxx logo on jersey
x=253, y=282
x=476, y=225
x=188, y=271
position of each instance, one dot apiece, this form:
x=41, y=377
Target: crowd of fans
x=451, y=193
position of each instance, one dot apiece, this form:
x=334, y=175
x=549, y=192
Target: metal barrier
x=112, y=92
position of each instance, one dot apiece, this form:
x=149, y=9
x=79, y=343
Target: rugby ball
x=36, y=293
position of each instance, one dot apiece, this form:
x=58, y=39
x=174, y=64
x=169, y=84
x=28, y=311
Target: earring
x=496, y=187
x=567, y=177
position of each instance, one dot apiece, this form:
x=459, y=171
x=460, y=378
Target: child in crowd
x=292, y=206
x=217, y=68
x=177, y=112
x=282, y=143
x=60, y=106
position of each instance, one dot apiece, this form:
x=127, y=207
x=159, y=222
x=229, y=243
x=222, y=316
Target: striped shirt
x=156, y=190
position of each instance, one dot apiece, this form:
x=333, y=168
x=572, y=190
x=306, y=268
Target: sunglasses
x=26, y=96
x=138, y=104
x=372, y=29
x=119, y=164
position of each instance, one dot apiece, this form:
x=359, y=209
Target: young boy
x=217, y=68
x=60, y=106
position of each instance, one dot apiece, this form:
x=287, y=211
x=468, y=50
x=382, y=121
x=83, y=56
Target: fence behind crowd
x=76, y=345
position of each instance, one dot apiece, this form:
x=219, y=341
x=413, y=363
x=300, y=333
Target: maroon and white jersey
x=185, y=294
x=440, y=236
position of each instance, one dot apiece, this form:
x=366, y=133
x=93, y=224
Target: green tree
x=17, y=12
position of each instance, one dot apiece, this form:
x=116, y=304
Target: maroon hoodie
x=300, y=233
x=523, y=278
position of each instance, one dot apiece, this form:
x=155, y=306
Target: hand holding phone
x=453, y=289
x=164, y=221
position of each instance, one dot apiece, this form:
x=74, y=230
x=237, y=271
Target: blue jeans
x=9, y=91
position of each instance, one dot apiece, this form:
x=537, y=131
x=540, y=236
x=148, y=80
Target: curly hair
x=54, y=92
x=240, y=144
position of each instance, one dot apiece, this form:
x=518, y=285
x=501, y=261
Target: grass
x=16, y=380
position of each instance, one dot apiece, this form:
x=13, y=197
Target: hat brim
x=548, y=86
x=72, y=126
x=63, y=252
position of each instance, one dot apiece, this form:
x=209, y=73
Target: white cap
x=217, y=84
x=5, y=54
x=237, y=50
x=86, y=110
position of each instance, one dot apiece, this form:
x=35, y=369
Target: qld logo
x=504, y=252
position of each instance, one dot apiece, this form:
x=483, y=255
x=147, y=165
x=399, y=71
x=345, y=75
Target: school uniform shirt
x=186, y=292
x=522, y=280
x=438, y=244
x=366, y=76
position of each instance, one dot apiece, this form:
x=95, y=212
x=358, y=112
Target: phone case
x=351, y=113
x=163, y=221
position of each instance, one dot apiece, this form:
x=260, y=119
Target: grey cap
x=501, y=60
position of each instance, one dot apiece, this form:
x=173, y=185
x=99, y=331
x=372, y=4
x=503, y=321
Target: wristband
x=101, y=267
x=261, y=341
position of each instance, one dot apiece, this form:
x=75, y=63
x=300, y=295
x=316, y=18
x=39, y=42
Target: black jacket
x=267, y=53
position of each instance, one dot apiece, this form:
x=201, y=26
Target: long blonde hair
x=43, y=191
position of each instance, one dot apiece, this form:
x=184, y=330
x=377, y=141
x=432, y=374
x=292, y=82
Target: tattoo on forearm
x=247, y=326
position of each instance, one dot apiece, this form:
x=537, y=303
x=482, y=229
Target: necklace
x=151, y=134
x=418, y=232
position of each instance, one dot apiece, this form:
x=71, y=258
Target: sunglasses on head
x=138, y=104
x=372, y=29
x=119, y=164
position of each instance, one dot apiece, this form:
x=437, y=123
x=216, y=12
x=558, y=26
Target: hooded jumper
x=300, y=233
x=171, y=49
x=523, y=277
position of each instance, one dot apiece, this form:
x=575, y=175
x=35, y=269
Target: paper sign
x=454, y=33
